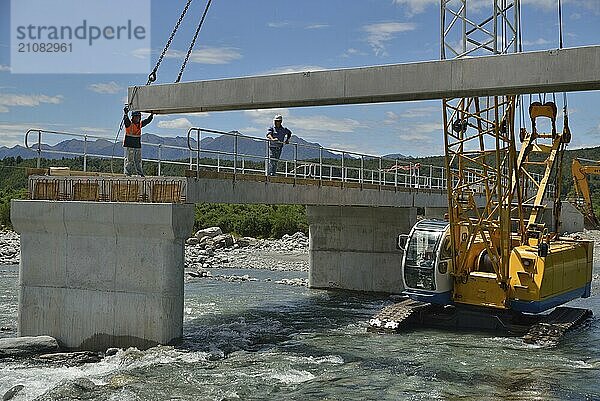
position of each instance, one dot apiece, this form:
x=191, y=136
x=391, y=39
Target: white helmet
x=278, y=117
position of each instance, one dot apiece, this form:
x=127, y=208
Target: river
x=258, y=340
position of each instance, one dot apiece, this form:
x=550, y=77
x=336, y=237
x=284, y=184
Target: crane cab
x=426, y=262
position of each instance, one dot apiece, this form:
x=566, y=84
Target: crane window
x=421, y=251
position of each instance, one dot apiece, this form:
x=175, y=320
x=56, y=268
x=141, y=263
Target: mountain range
x=176, y=148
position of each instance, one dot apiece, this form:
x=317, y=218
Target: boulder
x=222, y=241
x=192, y=241
x=209, y=232
x=24, y=346
x=246, y=242
x=9, y=395
x=72, y=358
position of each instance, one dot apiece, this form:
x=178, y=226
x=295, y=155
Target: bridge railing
x=38, y=146
x=298, y=160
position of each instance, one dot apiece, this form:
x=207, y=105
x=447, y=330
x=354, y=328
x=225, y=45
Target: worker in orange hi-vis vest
x=133, y=142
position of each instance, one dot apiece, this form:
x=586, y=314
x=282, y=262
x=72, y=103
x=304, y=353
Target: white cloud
x=353, y=52
x=324, y=123
x=391, y=118
x=420, y=112
x=262, y=116
x=14, y=134
x=413, y=7
x=109, y=88
x=177, y=123
x=251, y=130
x=95, y=130
x=380, y=33
x=4, y=68
x=208, y=55
x=294, y=68
x=317, y=26
x=278, y=24
x=366, y=150
x=14, y=100
x=416, y=6
x=142, y=53
x=537, y=42
x=199, y=114
x=307, y=125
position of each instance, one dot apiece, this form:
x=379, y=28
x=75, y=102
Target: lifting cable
x=187, y=56
x=153, y=75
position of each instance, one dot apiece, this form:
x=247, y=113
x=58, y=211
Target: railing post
x=235, y=154
x=342, y=172
x=380, y=171
x=159, y=158
x=198, y=154
x=396, y=173
x=362, y=169
x=85, y=152
x=243, y=165
x=267, y=158
x=295, y=161
x=430, y=175
x=39, y=151
x=320, y=164
x=218, y=163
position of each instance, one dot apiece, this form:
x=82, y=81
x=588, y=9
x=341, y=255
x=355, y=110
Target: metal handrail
x=351, y=167
x=37, y=147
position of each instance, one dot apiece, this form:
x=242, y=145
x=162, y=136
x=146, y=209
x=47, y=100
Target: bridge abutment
x=96, y=275
x=354, y=248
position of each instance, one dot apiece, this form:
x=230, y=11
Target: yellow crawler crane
x=498, y=261
x=583, y=199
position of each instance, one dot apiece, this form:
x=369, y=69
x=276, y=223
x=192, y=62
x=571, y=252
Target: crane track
x=553, y=326
x=395, y=317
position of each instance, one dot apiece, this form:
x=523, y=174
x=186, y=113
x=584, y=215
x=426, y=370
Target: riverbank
x=290, y=253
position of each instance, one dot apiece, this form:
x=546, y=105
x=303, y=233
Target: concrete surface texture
x=99, y=275
x=230, y=191
x=574, y=69
x=354, y=248
x=571, y=219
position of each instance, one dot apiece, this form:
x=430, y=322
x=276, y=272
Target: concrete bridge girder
x=574, y=69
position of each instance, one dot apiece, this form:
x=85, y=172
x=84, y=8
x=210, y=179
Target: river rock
x=192, y=241
x=9, y=395
x=24, y=346
x=111, y=351
x=222, y=241
x=72, y=358
x=209, y=232
x=246, y=242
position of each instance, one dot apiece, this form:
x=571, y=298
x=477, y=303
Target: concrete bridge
x=102, y=258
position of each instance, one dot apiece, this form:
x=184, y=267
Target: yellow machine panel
x=539, y=283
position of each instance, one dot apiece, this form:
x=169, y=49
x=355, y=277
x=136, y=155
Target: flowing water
x=258, y=340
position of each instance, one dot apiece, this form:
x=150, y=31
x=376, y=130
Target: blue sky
x=241, y=38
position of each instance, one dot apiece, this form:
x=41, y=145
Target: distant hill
x=397, y=156
x=169, y=149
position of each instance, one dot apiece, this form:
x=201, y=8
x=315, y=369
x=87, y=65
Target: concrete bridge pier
x=354, y=247
x=97, y=274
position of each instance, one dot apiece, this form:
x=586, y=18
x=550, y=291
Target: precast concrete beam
x=252, y=192
x=574, y=69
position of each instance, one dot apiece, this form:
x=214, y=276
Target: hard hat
x=278, y=117
x=136, y=113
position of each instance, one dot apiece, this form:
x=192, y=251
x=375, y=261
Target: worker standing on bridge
x=133, y=142
x=277, y=135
